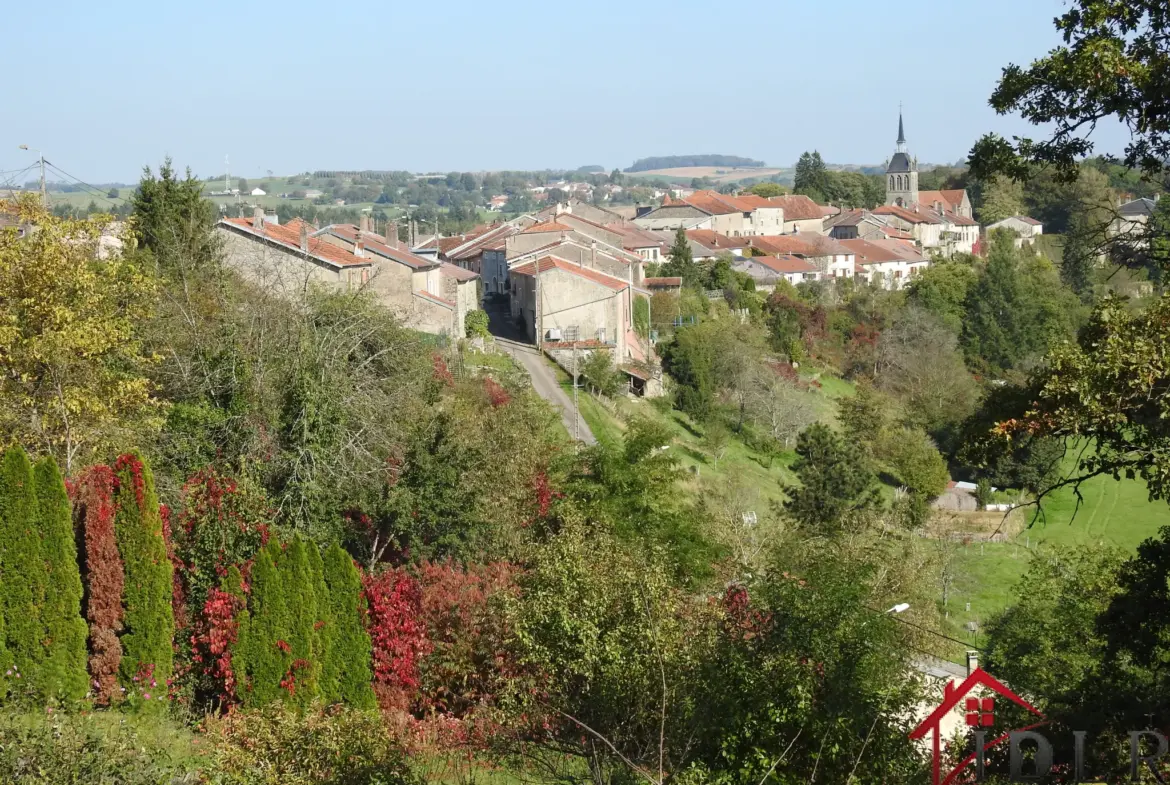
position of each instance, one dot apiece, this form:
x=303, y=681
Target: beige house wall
x=569, y=300
x=275, y=268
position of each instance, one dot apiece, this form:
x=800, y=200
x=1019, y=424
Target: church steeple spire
x=901, y=132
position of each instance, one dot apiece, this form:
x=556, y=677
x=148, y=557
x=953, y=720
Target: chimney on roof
x=258, y=219
x=392, y=234
x=359, y=247
x=364, y=223
x=972, y=661
x=304, y=237
x=593, y=254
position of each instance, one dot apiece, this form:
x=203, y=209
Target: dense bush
x=327, y=746
x=22, y=573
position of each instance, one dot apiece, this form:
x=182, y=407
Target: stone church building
x=902, y=186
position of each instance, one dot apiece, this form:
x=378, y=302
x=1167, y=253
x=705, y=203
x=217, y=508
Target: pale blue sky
x=104, y=88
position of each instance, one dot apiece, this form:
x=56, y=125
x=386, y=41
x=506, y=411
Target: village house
x=289, y=260
x=767, y=271
x=886, y=263
x=1026, y=229
x=562, y=300
x=735, y=216
x=800, y=214
x=1132, y=218
x=669, y=283
x=829, y=257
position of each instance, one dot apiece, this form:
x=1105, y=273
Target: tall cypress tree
x=149, y=618
x=22, y=570
x=348, y=666
x=265, y=652
x=233, y=584
x=63, y=672
x=324, y=628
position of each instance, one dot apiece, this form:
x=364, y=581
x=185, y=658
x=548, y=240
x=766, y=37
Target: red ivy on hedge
x=397, y=635
x=104, y=579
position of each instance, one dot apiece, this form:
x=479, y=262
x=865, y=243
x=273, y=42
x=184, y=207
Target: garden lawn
x=1113, y=512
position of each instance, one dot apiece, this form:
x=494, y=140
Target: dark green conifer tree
x=302, y=678
x=324, y=628
x=261, y=644
x=63, y=673
x=149, y=622
x=22, y=569
x=348, y=666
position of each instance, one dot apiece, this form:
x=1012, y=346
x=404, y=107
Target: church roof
x=901, y=133
x=898, y=164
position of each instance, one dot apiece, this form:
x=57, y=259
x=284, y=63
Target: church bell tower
x=902, y=174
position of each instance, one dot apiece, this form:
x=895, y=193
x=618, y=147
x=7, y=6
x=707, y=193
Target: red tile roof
x=909, y=216
x=375, y=243
x=785, y=263
x=552, y=262
x=661, y=281
x=716, y=203
x=797, y=207
x=548, y=226
x=713, y=239
x=289, y=236
x=897, y=234
x=876, y=251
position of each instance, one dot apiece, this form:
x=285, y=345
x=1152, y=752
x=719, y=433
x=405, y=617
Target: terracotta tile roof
x=552, y=262
x=877, y=251
x=714, y=240
x=434, y=298
x=785, y=263
x=717, y=204
x=634, y=237
x=909, y=216
x=548, y=226
x=846, y=218
x=797, y=207
x=662, y=281
x=476, y=245
x=960, y=220
x=755, y=201
x=289, y=236
x=897, y=234
x=781, y=244
x=456, y=272
x=830, y=210
x=375, y=243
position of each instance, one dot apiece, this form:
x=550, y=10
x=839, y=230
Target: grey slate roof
x=1137, y=207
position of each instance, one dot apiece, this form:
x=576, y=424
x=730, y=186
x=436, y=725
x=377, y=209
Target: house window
x=601, y=335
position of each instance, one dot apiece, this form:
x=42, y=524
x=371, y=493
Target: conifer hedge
x=347, y=670
x=324, y=628
x=300, y=681
x=265, y=654
x=148, y=656
x=22, y=571
x=62, y=674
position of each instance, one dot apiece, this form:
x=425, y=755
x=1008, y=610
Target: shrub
x=334, y=747
x=261, y=637
x=22, y=573
x=105, y=577
x=300, y=679
x=148, y=657
x=63, y=671
x=397, y=635
x=62, y=749
x=476, y=323
x=346, y=674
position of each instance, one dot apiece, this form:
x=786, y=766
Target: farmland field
x=720, y=174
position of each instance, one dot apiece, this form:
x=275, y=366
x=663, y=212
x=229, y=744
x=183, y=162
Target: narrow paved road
x=544, y=379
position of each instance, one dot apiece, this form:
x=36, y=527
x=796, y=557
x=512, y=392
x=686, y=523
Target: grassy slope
x=1113, y=513
x=739, y=461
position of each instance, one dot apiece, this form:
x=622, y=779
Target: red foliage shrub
x=441, y=372
x=742, y=620
x=468, y=660
x=497, y=395
x=397, y=635
x=94, y=502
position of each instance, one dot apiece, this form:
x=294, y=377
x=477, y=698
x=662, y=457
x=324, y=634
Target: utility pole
x=44, y=193
x=576, y=406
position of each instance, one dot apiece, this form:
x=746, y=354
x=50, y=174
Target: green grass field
x=1114, y=512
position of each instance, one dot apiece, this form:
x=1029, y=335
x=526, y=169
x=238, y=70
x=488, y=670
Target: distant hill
x=591, y=169
x=681, y=161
